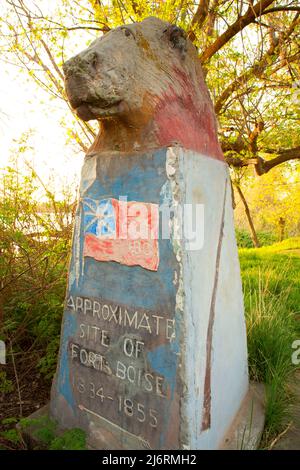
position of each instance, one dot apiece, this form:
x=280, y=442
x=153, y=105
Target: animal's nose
x=82, y=63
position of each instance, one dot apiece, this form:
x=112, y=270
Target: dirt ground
x=290, y=438
x=30, y=391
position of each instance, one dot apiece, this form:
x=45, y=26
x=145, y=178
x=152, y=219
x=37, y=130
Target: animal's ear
x=177, y=37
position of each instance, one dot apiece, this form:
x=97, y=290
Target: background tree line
x=250, y=54
x=249, y=51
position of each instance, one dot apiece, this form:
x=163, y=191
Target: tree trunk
x=281, y=228
x=249, y=218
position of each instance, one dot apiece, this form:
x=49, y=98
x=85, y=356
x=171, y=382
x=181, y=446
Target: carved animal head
x=144, y=83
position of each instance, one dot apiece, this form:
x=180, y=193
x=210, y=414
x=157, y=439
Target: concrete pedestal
x=153, y=346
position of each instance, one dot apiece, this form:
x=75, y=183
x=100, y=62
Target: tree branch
x=199, y=18
x=283, y=156
x=263, y=166
x=276, y=9
x=259, y=67
x=253, y=12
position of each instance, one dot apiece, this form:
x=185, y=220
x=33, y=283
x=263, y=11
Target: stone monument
x=153, y=346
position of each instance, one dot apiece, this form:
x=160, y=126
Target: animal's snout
x=87, y=63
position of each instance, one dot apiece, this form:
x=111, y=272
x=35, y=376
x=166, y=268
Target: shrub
x=266, y=238
x=34, y=249
x=271, y=330
x=244, y=240
x=72, y=439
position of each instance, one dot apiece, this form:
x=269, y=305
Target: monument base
x=30, y=433
x=153, y=348
x=244, y=433
x=248, y=425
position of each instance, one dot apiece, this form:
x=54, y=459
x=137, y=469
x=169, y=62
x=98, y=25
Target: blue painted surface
x=63, y=384
x=99, y=217
x=141, y=179
x=163, y=360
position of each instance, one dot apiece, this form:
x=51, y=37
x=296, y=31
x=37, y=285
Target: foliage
x=249, y=50
x=45, y=431
x=274, y=200
x=292, y=244
x=42, y=428
x=10, y=420
x=34, y=246
x=271, y=278
x=271, y=259
x=244, y=240
x=11, y=435
x=72, y=439
x=6, y=385
x=266, y=238
x=250, y=54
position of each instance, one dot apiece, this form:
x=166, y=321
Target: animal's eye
x=177, y=37
x=128, y=32
x=94, y=61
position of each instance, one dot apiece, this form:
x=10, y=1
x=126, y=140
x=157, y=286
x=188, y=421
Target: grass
x=271, y=282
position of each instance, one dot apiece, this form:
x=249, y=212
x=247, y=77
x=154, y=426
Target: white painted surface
x=202, y=180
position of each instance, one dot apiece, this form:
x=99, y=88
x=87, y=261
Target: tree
x=249, y=50
x=275, y=200
x=34, y=244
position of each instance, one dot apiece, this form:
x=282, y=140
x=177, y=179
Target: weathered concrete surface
x=153, y=346
x=191, y=328
x=216, y=351
x=247, y=428
x=144, y=84
x=127, y=302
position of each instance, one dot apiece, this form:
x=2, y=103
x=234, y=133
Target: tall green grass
x=271, y=282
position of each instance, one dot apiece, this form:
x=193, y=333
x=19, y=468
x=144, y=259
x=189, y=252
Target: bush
x=72, y=439
x=244, y=240
x=271, y=329
x=34, y=249
x=46, y=432
x=266, y=238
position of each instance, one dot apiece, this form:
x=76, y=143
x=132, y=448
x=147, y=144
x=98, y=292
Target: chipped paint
x=153, y=97
x=147, y=355
x=64, y=378
x=127, y=302
x=176, y=222
x=88, y=174
x=206, y=418
x=131, y=304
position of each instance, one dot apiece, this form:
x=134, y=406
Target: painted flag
x=121, y=231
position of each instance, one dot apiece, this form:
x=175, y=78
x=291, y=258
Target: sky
x=24, y=106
